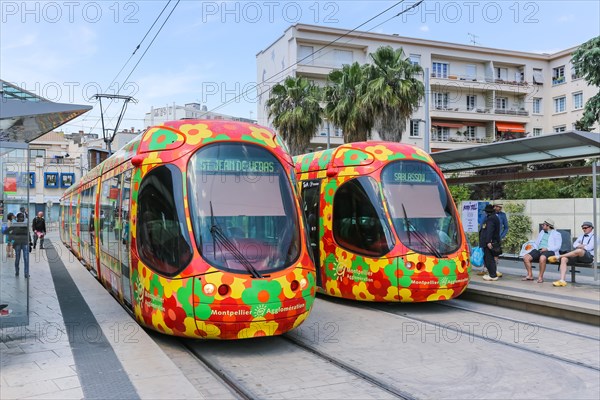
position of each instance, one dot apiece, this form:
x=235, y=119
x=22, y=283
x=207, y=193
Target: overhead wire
x=142, y=56
x=320, y=51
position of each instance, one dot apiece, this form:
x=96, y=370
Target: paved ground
x=109, y=356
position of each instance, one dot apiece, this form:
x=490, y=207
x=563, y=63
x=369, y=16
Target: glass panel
x=359, y=223
x=162, y=234
x=124, y=242
x=420, y=208
x=241, y=198
x=14, y=198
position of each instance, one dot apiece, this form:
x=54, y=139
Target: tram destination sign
x=237, y=166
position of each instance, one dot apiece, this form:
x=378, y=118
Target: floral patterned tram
x=195, y=228
x=382, y=224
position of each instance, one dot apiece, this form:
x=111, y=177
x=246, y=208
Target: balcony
x=558, y=80
x=512, y=111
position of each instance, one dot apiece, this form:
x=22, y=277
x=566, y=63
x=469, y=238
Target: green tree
x=586, y=61
x=393, y=91
x=296, y=111
x=519, y=227
x=343, y=102
x=460, y=193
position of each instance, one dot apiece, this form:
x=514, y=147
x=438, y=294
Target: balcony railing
x=500, y=111
x=558, y=80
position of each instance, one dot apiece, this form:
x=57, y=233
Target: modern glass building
x=24, y=117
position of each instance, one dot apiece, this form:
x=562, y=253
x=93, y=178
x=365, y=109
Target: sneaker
x=489, y=278
x=559, y=283
x=499, y=274
x=26, y=275
x=553, y=259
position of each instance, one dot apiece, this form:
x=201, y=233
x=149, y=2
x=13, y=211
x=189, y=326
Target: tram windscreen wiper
x=222, y=240
x=419, y=235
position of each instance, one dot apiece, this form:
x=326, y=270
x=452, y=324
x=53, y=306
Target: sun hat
x=549, y=222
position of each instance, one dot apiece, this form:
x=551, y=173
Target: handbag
x=477, y=256
x=496, y=249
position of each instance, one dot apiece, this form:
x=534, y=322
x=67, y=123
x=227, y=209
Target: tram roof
x=556, y=147
x=25, y=116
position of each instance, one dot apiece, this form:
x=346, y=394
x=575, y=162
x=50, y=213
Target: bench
x=566, y=246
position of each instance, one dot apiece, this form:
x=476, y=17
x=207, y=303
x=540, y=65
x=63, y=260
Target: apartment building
x=477, y=94
x=159, y=115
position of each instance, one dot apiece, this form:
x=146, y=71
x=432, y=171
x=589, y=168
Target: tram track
x=227, y=375
x=456, y=328
x=347, y=367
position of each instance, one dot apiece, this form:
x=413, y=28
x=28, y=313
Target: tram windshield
x=242, y=209
x=420, y=208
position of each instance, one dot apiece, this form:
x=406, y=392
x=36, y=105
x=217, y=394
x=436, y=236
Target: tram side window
x=84, y=216
x=163, y=241
x=357, y=224
x=106, y=220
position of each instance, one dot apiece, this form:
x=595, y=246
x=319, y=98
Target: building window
x=537, y=131
x=502, y=74
x=560, y=104
x=342, y=57
x=471, y=72
x=33, y=153
x=561, y=128
x=440, y=134
x=414, y=128
x=578, y=100
x=440, y=70
x=538, y=76
x=575, y=74
x=415, y=59
x=501, y=103
x=558, y=75
x=470, y=133
x=471, y=102
x=537, y=105
x=305, y=54
x=440, y=100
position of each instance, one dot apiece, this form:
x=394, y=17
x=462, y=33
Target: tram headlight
x=209, y=289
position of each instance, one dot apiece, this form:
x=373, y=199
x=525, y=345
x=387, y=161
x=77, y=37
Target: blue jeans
x=25, y=248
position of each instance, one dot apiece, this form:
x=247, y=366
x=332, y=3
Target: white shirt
x=588, y=242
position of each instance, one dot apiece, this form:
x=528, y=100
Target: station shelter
x=459, y=166
x=24, y=116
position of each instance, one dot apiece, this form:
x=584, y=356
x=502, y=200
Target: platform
x=80, y=343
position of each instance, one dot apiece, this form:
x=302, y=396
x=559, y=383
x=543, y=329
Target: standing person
x=489, y=233
x=10, y=251
x=584, y=252
x=503, y=229
x=548, y=244
x=39, y=229
x=19, y=233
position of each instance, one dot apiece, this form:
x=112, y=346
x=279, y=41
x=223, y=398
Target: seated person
x=548, y=244
x=584, y=252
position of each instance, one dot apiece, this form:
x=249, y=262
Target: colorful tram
x=382, y=224
x=195, y=227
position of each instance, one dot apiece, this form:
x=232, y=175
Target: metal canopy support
x=108, y=138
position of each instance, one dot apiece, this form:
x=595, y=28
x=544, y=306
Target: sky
x=68, y=51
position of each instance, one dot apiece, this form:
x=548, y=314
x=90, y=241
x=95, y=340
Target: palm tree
x=296, y=111
x=393, y=91
x=343, y=102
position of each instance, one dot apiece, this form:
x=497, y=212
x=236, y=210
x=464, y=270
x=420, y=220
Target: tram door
x=311, y=191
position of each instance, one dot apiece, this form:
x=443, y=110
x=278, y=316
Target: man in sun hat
x=584, y=252
x=547, y=244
